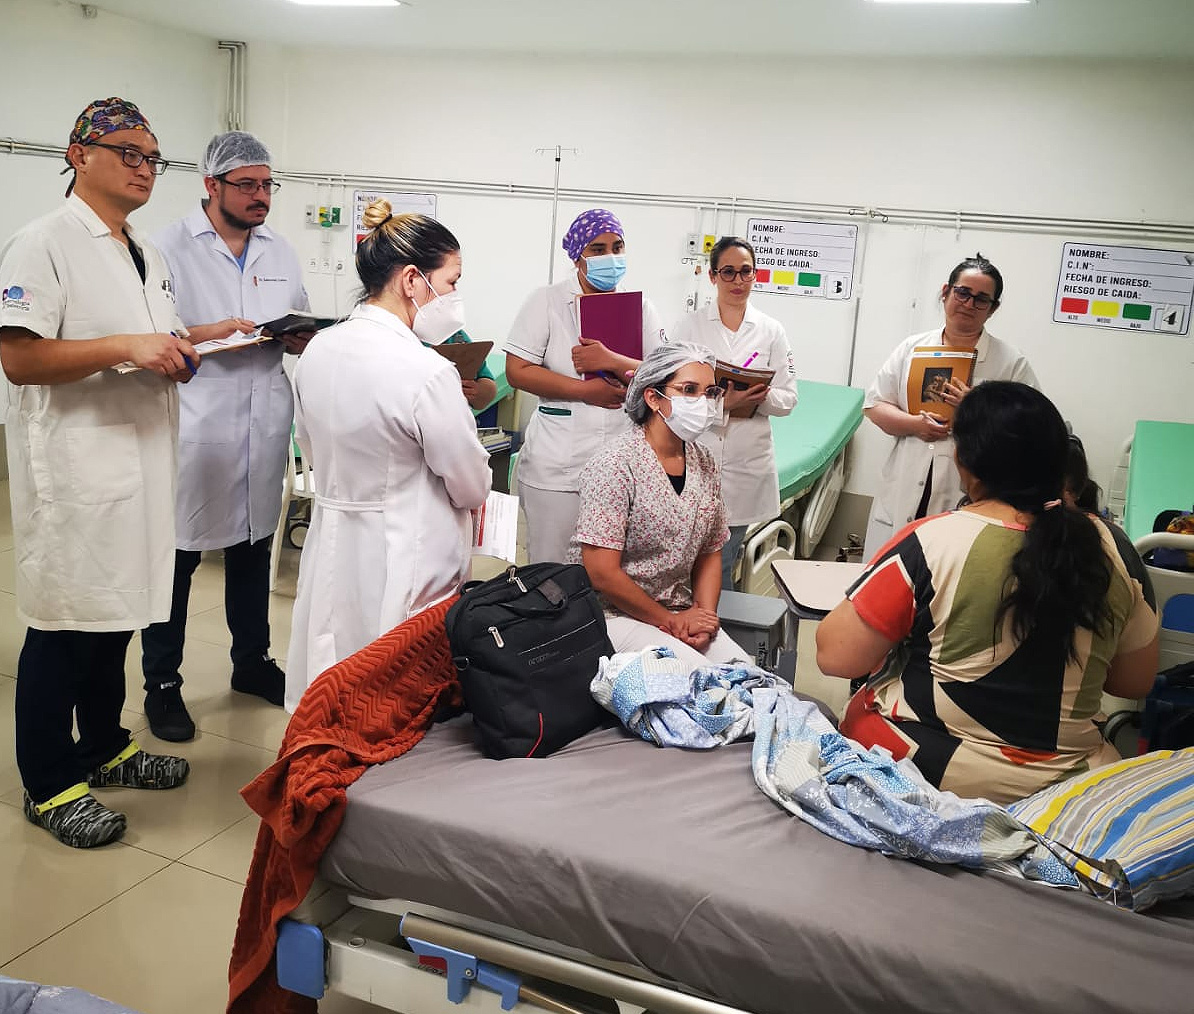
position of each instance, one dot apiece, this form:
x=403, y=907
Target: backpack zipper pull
x=513, y=578
x=497, y=637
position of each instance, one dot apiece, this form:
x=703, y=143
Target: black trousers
x=64, y=677
x=246, y=607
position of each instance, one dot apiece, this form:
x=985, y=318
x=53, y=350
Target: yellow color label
x=707, y=246
x=1104, y=309
x=783, y=278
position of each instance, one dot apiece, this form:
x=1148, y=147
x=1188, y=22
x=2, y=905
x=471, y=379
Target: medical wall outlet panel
x=1128, y=287
x=323, y=216
x=803, y=258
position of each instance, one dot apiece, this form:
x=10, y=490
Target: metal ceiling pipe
x=238, y=59
x=942, y=218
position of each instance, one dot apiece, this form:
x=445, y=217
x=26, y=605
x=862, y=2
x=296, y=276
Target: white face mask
x=691, y=416
x=439, y=318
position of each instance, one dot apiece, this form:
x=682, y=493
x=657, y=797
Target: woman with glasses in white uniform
x=737, y=333
x=652, y=522
x=920, y=477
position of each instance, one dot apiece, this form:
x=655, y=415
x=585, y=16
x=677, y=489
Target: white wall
x=1097, y=140
x=53, y=62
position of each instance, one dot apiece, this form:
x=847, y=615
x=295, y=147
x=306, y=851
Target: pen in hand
x=186, y=359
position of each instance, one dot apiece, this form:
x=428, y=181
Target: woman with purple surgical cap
x=546, y=356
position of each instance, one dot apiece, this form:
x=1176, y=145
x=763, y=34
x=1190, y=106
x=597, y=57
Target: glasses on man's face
x=133, y=158
x=728, y=274
x=250, y=187
x=692, y=390
x=980, y=300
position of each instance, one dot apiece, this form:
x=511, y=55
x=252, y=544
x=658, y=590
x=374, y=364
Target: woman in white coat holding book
x=398, y=467
x=740, y=335
x=920, y=477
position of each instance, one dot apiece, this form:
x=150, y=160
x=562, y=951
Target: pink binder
x=615, y=319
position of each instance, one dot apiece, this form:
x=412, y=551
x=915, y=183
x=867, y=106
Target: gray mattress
x=674, y=861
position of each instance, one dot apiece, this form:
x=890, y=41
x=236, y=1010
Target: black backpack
x=527, y=645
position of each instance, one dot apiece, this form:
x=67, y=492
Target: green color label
x=809, y=279
x=1137, y=311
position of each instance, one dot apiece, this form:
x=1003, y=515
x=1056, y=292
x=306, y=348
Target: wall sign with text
x=420, y=204
x=1129, y=287
x=803, y=258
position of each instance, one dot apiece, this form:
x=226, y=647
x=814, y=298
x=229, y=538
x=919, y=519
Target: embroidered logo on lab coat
x=16, y=298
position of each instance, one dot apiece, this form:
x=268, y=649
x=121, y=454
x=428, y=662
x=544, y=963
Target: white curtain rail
x=943, y=218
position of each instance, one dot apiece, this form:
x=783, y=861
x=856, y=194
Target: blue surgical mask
x=606, y=271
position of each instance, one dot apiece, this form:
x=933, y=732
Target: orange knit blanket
x=368, y=709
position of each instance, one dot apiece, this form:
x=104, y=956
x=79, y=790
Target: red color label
x=1075, y=305
x=763, y=275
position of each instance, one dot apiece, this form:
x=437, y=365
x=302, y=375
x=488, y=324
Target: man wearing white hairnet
x=234, y=425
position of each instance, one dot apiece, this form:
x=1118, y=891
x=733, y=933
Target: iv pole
x=558, y=152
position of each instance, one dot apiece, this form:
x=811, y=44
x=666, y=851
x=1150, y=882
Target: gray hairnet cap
x=233, y=150
x=662, y=362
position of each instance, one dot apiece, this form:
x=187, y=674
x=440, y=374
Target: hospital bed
x=810, y=456
x=616, y=873
x=1154, y=475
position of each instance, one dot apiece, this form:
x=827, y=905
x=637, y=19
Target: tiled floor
x=149, y=922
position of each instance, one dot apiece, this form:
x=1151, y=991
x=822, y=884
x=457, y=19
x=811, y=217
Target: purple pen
x=750, y=359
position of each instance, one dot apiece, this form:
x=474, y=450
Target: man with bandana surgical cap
x=546, y=355
x=235, y=422
x=91, y=452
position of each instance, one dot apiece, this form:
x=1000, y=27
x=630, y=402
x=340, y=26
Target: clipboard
x=467, y=357
x=932, y=368
x=728, y=376
x=295, y=322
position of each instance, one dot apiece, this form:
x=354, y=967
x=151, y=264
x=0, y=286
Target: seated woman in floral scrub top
x=652, y=522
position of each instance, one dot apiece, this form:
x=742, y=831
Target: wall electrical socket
x=325, y=265
x=340, y=266
x=313, y=265
x=692, y=243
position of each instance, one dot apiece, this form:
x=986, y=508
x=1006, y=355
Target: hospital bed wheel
x=296, y=534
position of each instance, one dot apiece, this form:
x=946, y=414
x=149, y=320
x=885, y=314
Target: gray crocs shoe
x=82, y=822
x=133, y=768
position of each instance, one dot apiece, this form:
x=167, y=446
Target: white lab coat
x=563, y=435
x=743, y=447
x=236, y=414
x=92, y=463
x=397, y=468
x=903, y=480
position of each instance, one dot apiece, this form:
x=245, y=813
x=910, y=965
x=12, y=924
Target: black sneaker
x=82, y=822
x=133, y=768
x=168, y=715
x=264, y=679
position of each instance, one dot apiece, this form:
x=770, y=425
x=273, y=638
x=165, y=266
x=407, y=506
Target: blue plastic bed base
x=462, y=970
x=300, y=954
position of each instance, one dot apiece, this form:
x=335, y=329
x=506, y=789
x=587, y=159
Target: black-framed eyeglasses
x=250, y=187
x=133, y=158
x=693, y=390
x=980, y=300
x=728, y=274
